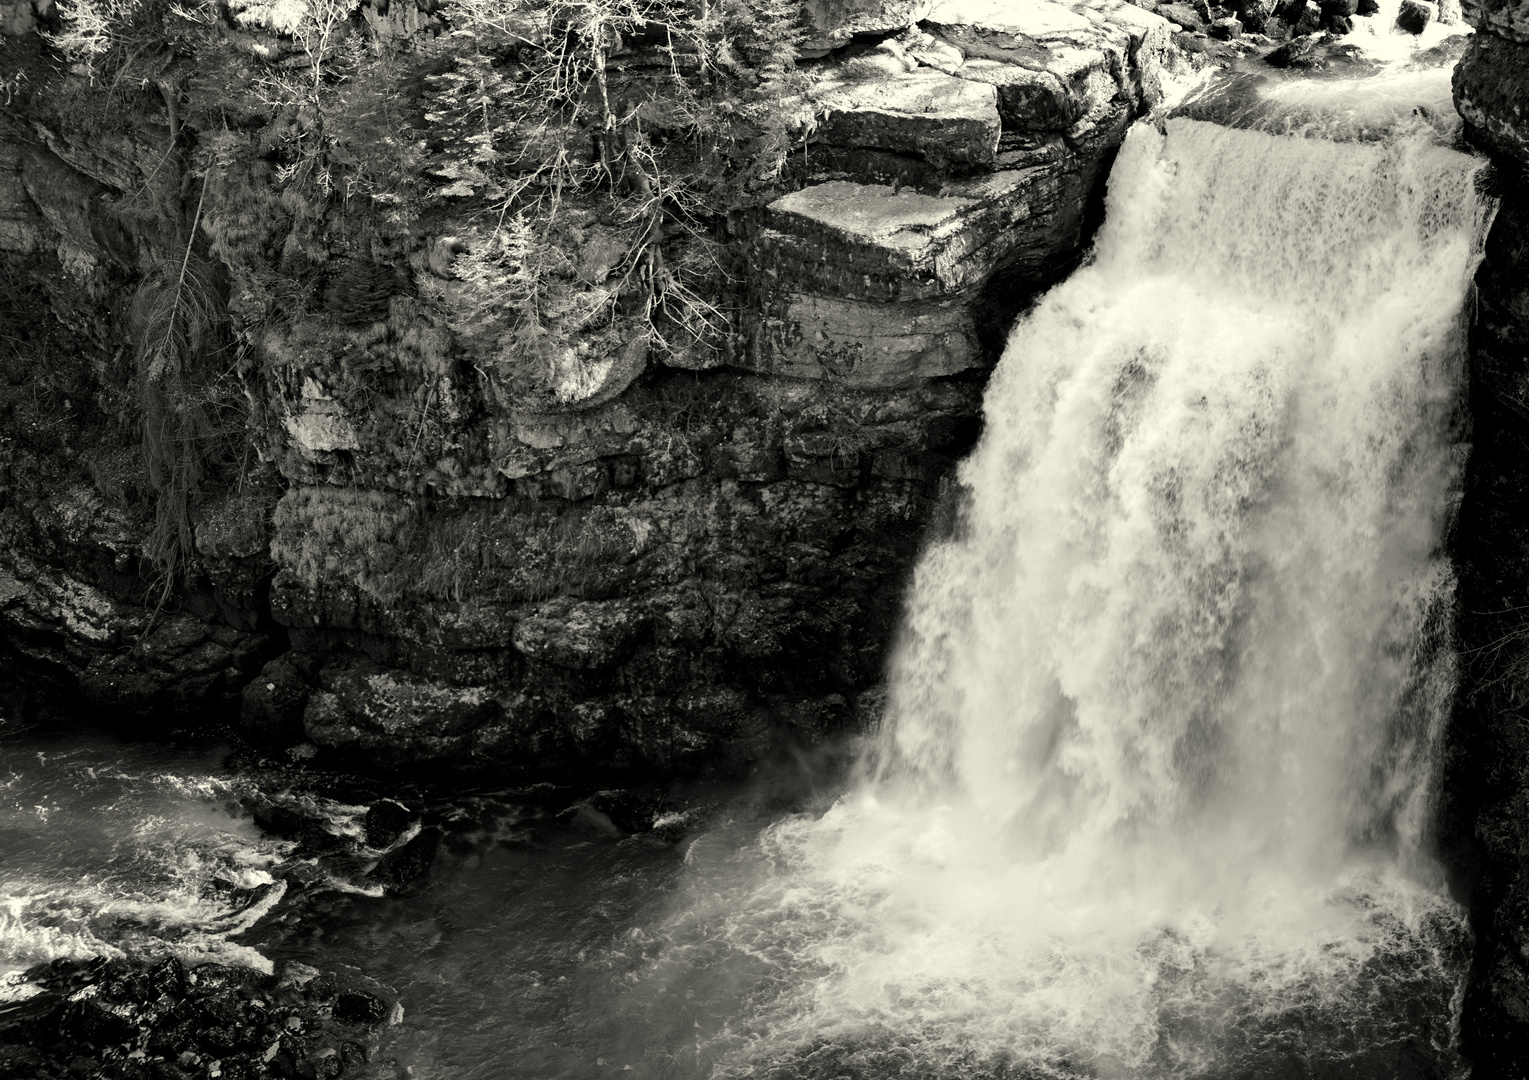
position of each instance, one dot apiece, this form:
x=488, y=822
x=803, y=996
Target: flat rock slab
x=874, y=242
x=934, y=116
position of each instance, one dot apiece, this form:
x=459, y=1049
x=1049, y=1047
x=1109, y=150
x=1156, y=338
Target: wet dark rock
x=1301, y=52
x=1340, y=24
x=168, y=977
x=386, y=821
x=295, y=820
x=1415, y=15
x=271, y=708
x=409, y=865
x=1367, y=7
x=359, y=1007
x=1254, y=14
x=1490, y=92
x=627, y=810
x=131, y=1020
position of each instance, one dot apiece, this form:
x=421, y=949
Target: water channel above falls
x=1154, y=792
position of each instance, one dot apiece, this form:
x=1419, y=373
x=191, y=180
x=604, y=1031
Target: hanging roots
x=179, y=319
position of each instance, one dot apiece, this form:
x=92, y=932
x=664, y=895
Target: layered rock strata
x=674, y=553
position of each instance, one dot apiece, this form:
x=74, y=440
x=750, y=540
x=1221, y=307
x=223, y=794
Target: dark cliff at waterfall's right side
x=1486, y=796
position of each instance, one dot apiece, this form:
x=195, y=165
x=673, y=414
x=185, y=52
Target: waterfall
x=1197, y=604
x=1153, y=792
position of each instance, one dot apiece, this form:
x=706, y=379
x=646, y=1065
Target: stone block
x=1076, y=47
x=924, y=113
x=874, y=242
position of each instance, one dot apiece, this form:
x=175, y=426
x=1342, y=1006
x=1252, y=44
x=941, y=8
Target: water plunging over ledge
x=1155, y=786
x=1153, y=794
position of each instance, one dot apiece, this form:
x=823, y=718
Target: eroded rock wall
x=697, y=542
x=1487, y=772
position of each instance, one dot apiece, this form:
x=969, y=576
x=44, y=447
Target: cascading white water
x=1153, y=792
x=1201, y=550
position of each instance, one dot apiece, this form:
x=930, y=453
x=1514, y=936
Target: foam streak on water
x=98, y=860
x=1154, y=790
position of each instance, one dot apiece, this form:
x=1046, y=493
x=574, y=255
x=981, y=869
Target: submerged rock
x=1301, y=52
x=405, y=867
x=386, y=821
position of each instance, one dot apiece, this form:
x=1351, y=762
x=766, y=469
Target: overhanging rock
x=994, y=145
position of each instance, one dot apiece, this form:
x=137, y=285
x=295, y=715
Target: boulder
x=1414, y=15
x=387, y=820
x=406, y=867
x=272, y=703
x=1254, y=15
x=1226, y=29
x=360, y=1007
x=1301, y=52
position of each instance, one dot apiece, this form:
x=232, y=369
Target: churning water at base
x=1154, y=789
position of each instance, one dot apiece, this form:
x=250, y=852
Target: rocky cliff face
x=1487, y=776
x=272, y=446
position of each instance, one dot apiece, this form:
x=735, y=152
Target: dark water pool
x=546, y=943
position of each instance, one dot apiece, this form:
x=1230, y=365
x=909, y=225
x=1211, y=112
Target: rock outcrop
x=1492, y=79
x=677, y=539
